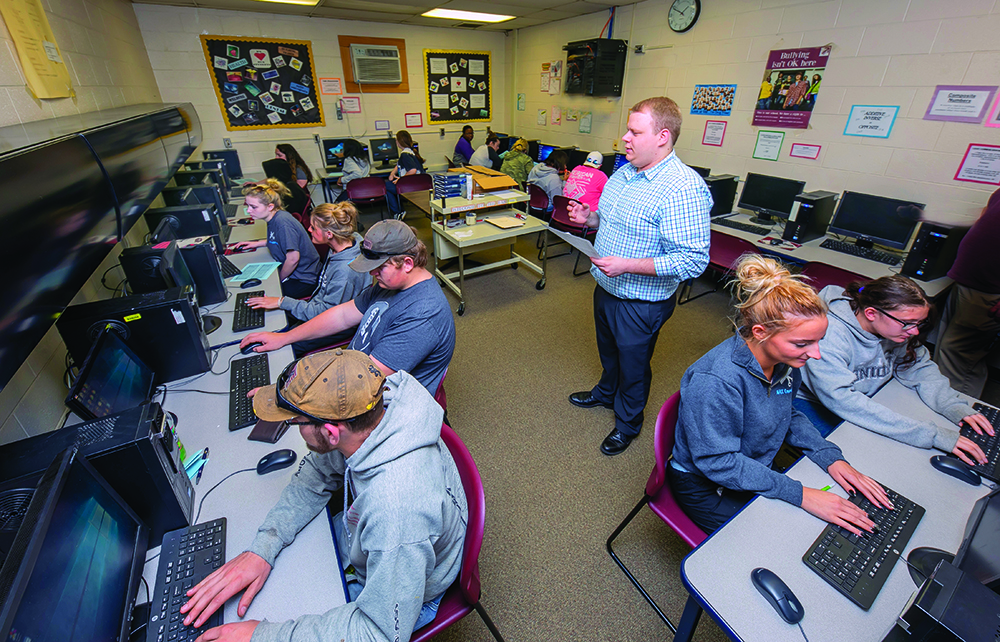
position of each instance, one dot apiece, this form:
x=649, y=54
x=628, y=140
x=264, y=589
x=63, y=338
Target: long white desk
x=306, y=578
x=773, y=534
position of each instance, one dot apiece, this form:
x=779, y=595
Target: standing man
x=652, y=233
x=463, y=148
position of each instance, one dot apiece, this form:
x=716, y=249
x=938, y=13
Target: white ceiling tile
x=535, y=5
x=352, y=14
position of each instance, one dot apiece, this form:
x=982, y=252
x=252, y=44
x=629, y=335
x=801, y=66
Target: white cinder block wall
x=886, y=52
x=175, y=52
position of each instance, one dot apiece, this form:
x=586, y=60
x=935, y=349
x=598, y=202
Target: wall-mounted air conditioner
x=376, y=64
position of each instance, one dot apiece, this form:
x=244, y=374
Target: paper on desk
x=583, y=245
x=256, y=271
x=504, y=193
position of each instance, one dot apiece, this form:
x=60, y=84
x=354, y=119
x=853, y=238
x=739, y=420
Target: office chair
x=440, y=396
x=822, y=274
x=364, y=191
x=538, y=202
x=413, y=183
x=560, y=220
x=723, y=253
x=451, y=163
x=660, y=499
x=463, y=596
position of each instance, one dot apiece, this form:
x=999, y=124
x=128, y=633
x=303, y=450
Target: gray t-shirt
x=410, y=330
x=285, y=234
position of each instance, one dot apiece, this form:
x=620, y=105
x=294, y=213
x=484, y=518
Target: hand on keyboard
x=853, y=481
x=233, y=632
x=269, y=341
x=979, y=423
x=836, y=510
x=265, y=302
x=245, y=571
x=967, y=450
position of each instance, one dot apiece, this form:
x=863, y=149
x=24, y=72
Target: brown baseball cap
x=384, y=240
x=335, y=385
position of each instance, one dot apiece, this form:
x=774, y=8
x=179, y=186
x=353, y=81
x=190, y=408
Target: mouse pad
x=268, y=431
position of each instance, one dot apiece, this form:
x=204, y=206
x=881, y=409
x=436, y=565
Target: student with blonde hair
x=736, y=409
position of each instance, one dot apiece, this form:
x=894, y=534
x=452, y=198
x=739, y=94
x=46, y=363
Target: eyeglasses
x=906, y=325
x=285, y=404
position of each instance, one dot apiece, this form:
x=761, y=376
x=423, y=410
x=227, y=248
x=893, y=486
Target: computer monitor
x=769, y=196
x=189, y=221
x=383, y=150
x=217, y=165
x=73, y=572
x=231, y=157
x=203, y=193
x=876, y=219
x=164, y=232
x=979, y=554
x=577, y=157
x=198, y=177
x=112, y=379
x=544, y=151
x=173, y=269
x=533, y=149
x=704, y=172
x=620, y=161
x=333, y=151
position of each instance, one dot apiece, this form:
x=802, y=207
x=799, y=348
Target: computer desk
x=773, y=534
x=306, y=578
x=812, y=251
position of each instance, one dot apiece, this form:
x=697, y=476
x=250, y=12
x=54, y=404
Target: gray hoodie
x=548, y=179
x=406, y=526
x=855, y=364
x=337, y=283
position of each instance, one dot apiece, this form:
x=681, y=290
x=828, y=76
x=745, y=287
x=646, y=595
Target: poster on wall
x=960, y=104
x=713, y=100
x=458, y=85
x=790, y=87
x=715, y=133
x=874, y=121
x=768, y=145
x=263, y=83
x=981, y=164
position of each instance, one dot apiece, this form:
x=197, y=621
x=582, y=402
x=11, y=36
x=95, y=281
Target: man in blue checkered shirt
x=652, y=233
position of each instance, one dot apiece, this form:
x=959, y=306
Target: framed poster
x=459, y=86
x=874, y=121
x=413, y=120
x=351, y=104
x=960, y=103
x=768, y=145
x=981, y=164
x=802, y=150
x=715, y=133
x=263, y=83
x=330, y=86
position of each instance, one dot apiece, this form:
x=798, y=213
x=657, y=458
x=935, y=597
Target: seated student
x=874, y=336
x=410, y=162
x=286, y=240
x=297, y=199
x=516, y=162
x=488, y=155
x=356, y=165
x=403, y=321
x=335, y=226
x=403, y=533
x=299, y=168
x=463, y=148
x=586, y=182
x=736, y=409
x=548, y=175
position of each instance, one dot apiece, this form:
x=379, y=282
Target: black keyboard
x=745, y=227
x=187, y=556
x=859, y=566
x=247, y=374
x=990, y=445
x=244, y=317
x=228, y=269
x=231, y=209
x=863, y=252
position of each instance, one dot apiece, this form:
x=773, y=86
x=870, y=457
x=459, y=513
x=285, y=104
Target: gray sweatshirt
x=406, y=526
x=337, y=283
x=548, y=179
x=855, y=364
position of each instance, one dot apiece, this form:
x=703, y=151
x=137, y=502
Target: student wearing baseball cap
x=586, y=182
x=404, y=530
x=403, y=321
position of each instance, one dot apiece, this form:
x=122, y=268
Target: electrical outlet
x=340, y=112
x=640, y=49
x=614, y=145
x=442, y=132
x=227, y=143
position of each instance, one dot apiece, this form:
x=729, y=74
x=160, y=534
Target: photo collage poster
x=458, y=86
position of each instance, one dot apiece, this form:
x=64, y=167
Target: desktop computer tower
x=723, y=189
x=163, y=328
x=810, y=216
x=933, y=251
x=135, y=451
x=141, y=267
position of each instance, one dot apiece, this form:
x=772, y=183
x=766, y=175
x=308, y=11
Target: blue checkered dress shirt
x=663, y=213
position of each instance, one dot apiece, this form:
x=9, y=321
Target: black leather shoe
x=586, y=400
x=616, y=443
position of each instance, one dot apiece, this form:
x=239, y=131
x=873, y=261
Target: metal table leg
x=689, y=621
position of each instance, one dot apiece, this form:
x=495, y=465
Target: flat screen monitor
x=333, y=151
x=577, y=157
x=73, y=572
x=198, y=194
x=232, y=158
x=164, y=232
x=173, y=269
x=979, y=554
x=198, y=177
x=383, y=150
x=189, y=221
x=112, y=380
x=620, y=161
x=218, y=165
x=704, y=172
x=876, y=219
x=533, y=149
x=544, y=151
x=769, y=196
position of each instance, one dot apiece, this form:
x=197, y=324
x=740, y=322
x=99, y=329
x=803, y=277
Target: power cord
x=803, y=631
x=203, y=497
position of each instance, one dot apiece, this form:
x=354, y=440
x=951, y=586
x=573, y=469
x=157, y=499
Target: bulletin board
x=459, y=86
x=263, y=83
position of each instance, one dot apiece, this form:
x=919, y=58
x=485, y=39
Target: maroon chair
x=560, y=220
x=364, y=191
x=439, y=395
x=660, y=499
x=821, y=275
x=538, y=201
x=413, y=183
x=723, y=253
x=463, y=596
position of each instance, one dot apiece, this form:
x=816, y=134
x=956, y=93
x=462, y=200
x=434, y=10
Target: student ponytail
x=767, y=294
x=269, y=192
x=890, y=293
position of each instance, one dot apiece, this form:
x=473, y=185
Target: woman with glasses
x=875, y=335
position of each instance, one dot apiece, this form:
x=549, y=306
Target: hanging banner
x=790, y=87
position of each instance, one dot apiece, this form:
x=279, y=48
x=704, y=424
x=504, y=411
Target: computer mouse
x=250, y=346
x=778, y=595
x=244, y=221
x=249, y=283
x=956, y=468
x=277, y=460
x=775, y=241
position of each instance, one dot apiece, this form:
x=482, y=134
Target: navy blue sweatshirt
x=732, y=421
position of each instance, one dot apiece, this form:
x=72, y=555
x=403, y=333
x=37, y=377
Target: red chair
x=538, y=202
x=439, y=395
x=560, y=220
x=723, y=253
x=821, y=275
x=660, y=499
x=364, y=191
x=413, y=183
x=463, y=596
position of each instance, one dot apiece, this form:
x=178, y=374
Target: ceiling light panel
x=466, y=16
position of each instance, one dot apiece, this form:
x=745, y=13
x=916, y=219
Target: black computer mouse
x=249, y=283
x=778, y=595
x=775, y=241
x=244, y=221
x=277, y=460
x=248, y=349
x=956, y=468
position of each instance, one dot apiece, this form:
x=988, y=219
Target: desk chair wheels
x=540, y=285
x=461, y=309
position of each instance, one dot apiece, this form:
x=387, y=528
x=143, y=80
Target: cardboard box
x=485, y=179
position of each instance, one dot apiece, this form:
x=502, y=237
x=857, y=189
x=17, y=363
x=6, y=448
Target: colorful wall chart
x=458, y=86
x=263, y=83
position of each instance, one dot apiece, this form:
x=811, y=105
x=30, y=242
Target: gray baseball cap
x=384, y=240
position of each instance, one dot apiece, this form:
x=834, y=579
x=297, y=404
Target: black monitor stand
x=922, y=561
x=760, y=218
x=210, y=323
x=384, y=164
